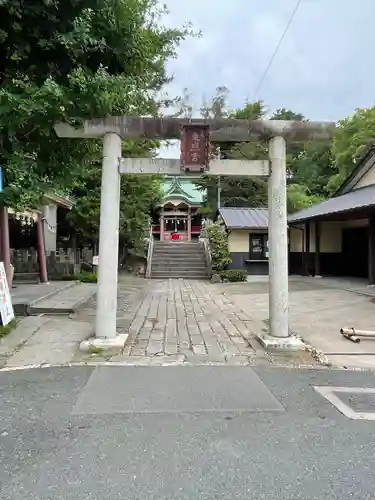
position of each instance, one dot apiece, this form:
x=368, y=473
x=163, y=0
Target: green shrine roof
x=182, y=187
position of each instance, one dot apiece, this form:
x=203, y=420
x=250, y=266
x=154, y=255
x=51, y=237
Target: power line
x=277, y=47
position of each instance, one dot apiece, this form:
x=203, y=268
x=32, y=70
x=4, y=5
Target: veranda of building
x=337, y=237
x=179, y=211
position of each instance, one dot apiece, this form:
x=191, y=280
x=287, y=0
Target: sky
x=324, y=69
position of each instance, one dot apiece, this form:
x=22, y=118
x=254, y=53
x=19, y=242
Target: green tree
x=80, y=59
x=235, y=191
x=311, y=166
x=353, y=136
x=299, y=197
x=139, y=196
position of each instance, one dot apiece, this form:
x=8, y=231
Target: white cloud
x=323, y=68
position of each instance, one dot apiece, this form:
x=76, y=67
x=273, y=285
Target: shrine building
x=179, y=219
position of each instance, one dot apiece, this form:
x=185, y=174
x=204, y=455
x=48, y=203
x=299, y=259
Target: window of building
x=258, y=247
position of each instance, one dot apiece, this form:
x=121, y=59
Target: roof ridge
x=243, y=208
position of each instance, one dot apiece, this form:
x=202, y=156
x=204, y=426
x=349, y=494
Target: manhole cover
x=357, y=403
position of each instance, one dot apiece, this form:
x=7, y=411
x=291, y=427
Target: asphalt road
x=179, y=433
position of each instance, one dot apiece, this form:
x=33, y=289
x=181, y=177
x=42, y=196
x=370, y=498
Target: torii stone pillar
x=108, y=238
x=228, y=130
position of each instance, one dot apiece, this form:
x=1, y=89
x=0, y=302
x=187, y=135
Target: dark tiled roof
x=244, y=218
x=360, y=198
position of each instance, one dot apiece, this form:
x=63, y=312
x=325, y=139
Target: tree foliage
x=139, y=196
x=68, y=59
x=218, y=239
x=311, y=166
x=353, y=136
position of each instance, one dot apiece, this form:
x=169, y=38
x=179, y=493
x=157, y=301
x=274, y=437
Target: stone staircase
x=178, y=260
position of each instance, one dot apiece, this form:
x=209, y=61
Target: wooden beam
x=172, y=167
x=227, y=130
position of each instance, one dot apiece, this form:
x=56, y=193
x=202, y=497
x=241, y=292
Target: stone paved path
x=184, y=317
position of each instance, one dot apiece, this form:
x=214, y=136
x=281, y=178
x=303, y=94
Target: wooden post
x=161, y=227
x=306, y=250
x=189, y=225
x=41, y=250
x=5, y=246
x=317, y=249
x=371, y=250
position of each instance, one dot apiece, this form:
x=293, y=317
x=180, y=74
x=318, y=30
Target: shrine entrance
x=176, y=227
x=196, y=160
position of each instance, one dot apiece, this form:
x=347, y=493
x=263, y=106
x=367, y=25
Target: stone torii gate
x=276, y=133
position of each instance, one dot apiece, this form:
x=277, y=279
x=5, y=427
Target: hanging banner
x=1, y=180
x=6, y=307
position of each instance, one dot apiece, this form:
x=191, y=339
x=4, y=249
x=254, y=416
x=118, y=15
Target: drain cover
x=357, y=403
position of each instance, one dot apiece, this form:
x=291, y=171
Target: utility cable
x=277, y=48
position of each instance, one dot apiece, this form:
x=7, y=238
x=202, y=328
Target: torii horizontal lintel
x=221, y=129
x=166, y=166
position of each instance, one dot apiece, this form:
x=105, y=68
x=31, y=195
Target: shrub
x=5, y=330
x=233, y=275
x=88, y=277
x=218, y=239
x=84, y=277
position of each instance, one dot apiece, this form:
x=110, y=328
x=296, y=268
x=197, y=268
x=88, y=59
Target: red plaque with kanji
x=195, y=147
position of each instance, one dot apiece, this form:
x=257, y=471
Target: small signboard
x=6, y=307
x=195, y=147
x=95, y=260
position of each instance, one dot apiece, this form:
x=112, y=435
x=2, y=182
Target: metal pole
x=278, y=240
x=108, y=238
x=41, y=250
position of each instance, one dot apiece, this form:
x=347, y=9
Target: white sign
x=6, y=308
x=95, y=260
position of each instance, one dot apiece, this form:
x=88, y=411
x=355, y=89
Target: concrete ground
x=53, y=336
x=195, y=322
x=168, y=322
x=26, y=295
x=182, y=433
x=318, y=309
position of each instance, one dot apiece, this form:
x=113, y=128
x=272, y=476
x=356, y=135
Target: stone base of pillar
x=105, y=344
x=281, y=343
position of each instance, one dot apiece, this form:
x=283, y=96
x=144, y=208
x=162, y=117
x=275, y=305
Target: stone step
x=24, y=278
x=178, y=254
x=179, y=247
x=65, y=301
x=179, y=270
x=177, y=276
x=178, y=243
x=179, y=263
x=178, y=258
x=173, y=272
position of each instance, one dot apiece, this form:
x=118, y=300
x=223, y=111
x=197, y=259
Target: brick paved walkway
x=184, y=317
